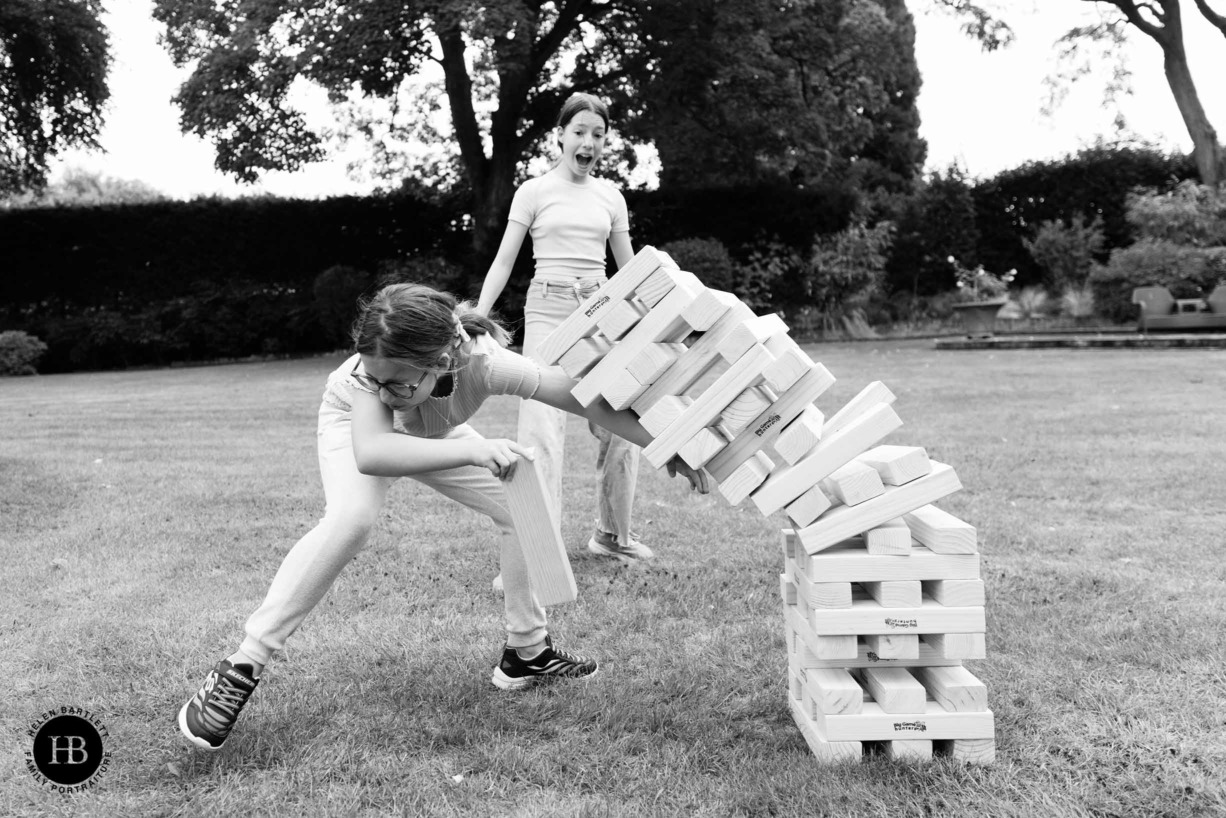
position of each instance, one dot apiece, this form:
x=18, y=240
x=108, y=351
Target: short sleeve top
x=491, y=370
x=569, y=224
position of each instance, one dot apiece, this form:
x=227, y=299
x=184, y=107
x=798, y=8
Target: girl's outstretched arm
x=380, y=451
x=555, y=390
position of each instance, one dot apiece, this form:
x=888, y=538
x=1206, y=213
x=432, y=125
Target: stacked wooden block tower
x=881, y=589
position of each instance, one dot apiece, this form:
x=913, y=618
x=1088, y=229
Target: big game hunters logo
x=66, y=749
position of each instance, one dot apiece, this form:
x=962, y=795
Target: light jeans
x=548, y=304
x=353, y=501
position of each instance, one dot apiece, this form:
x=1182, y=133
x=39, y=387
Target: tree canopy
x=54, y=56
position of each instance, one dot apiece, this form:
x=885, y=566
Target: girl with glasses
x=399, y=408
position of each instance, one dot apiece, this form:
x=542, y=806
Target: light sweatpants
x=549, y=303
x=353, y=502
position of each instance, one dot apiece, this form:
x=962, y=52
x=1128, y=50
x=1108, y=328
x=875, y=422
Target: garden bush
x=1067, y=251
x=1188, y=272
x=708, y=259
x=19, y=353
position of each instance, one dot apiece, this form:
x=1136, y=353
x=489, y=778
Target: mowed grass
x=142, y=515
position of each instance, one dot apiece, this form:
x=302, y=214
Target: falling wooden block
x=848, y=561
x=764, y=429
x=707, y=406
x=800, y=436
x=622, y=389
x=897, y=464
x=621, y=318
x=954, y=688
x=806, y=508
x=955, y=593
x=842, y=522
x=895, y=593
x=853, y=483
x=893, y=646
x=582, y=322
x=702, y=447
x=871, y=395
x=755, y=331
x=833, y=690
x=789, y=482
x=585, y=354
x=748, y=476
x=704, y=311
x=941, y=531
x=743, y=409
x=663, y=413
x=652, y=360
x=539, y=535
x=654, y=287
x=698, y=358
x=891, y=537
x=790, y=363
x=894, y=689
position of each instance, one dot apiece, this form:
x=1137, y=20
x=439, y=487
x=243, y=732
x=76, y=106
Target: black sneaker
x=207, y=717
x=514, y=673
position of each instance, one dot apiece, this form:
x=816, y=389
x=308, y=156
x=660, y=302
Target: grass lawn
x=142, y=515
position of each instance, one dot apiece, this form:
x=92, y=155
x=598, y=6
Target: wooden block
x=658, y=325
x=955, y=593
x=652, y=360
x=933, y=722
x=894, y=689
x=582, y=322
x=744, y=408
x=706, y=407
x=748, y=476
x=585, y=354
x=893, y=646
x=853, y=483
x=539, y=535
x=692, y=364
x=789, y=542
x=790, y=364
x=787, y=587
x=871, y=395
x=765, y=428
x=954, y=688
x=663, y=413
x=909, y=752
x=897, y=464
x=968, y=750
x=621, y=318
x=704, y=312
x=865, y=655
x=654, y=287
x=958, y=646
x=622, y=389
x=832, y=647
x=842, y=522
x=819, y=594
x=891, y=537
x=866, y=616
x=755, y=331
x=789, y=482
x=834, y=691
x=806, y=508
x=827, y=752
x=800, y=436
x=702, y=447
x=848, y=561
x=895, y=593
x=941, y=531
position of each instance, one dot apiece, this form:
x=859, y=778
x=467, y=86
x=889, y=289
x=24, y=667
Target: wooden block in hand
x=539, y=535
x=585, y=354
x=800, y=436
x=941, y=531
x=853, y=483
x=897, y=464
x=891, y=537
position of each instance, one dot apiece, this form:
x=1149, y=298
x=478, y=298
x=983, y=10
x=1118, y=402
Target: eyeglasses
x=404, y=391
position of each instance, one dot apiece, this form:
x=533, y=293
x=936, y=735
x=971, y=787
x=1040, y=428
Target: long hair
x=417, y=324
x=576, y=104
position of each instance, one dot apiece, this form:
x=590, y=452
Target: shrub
x=19, y=353
x=337, y=290
x=1031, y=302
x=706, y=258
x=1188, y=272
x=1077, y=302
x=1067, y=251
x=1190, y=214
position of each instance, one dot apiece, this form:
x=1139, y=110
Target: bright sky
x=980, y=110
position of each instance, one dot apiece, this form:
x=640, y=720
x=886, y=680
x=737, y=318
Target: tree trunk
x=1205, y=147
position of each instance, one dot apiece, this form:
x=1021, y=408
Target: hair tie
x=461, y=336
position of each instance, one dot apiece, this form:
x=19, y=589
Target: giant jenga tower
x=881, y=591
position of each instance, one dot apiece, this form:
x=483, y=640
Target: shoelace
x=227, y=697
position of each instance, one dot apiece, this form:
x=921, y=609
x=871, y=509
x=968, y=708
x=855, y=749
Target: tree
x=77, y=187
x=53, y=62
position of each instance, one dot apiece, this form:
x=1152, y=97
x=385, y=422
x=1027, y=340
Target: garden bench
x=1162, y=312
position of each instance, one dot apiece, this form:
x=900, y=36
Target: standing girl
x=571, y=216
x=399, y=408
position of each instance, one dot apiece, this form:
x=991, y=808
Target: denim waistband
x=580, y=288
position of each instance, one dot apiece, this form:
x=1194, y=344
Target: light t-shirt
x=491, y=370
x=569, y=224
